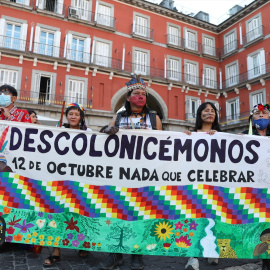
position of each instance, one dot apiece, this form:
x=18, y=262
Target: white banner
x=136, y=158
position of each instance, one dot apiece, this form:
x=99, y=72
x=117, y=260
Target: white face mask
x=5, y=100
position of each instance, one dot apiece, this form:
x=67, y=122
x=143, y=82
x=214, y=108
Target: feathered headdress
x=75, y=105
x=136, y=82
x=260, y=107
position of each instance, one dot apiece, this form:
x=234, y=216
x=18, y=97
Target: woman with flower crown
x=75, y=117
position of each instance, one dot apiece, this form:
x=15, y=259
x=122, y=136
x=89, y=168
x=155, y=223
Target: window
x=102, y=54
x=256, y=64
x=78, y=47
x=232, y=74
x=105, y=15
x=232, y=110
x=230, y=42
x=14, y=32
x=209, y=77
x=192, y=104
x=81, y=9
x=257, y=97
x=191, y=72
x=8, y=77
x=141, y=61
x=51, y=5
x=173, y=37
x=214, y=102
x=173, y=69
x=141, y=24
x=76, y=91
x=209, y=45
x=191, y=39
x=254, y=28
x=47, y=40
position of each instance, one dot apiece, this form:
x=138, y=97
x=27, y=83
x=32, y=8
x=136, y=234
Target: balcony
x=229, y=49
x=11, y=43
x=253, y=36
x=142, y=32
x=237, y=118
x=80, y=14
x=174, y=75
x=48, y=50
x=210, y=52
x=190, y=117
x=175, y=42
x=105, y=21
x=209, y=83
x=192, y=46
x=51, y=6
x=192, y=79
x=51, y=100
x=78, y=56
x=29, y=4
x=230, y=82
x=107, y=62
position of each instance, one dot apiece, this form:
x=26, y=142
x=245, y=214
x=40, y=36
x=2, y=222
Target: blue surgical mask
x=261, y=124
x=5, y=100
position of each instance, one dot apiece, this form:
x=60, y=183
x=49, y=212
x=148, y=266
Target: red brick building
x=84, y=51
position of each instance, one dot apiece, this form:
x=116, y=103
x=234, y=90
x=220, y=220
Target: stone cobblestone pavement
x=13, y=257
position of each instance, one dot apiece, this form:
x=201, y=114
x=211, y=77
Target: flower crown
x=75, y=105
x=260, y=107
x=136, y=82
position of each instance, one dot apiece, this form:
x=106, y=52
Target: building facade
x=84, y=51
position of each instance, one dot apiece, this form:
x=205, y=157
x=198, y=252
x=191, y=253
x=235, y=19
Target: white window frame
x=229, y=81
x=209, y=50
x=252, y=34
x=58, y=8
x=56, y=42
x=87, y=46
x=103, y=59
x=82, y=10
x=140, y=29
x=214, y=102
x=83, y=80
x=18, y=70
x=141, y=69
x=210, y=82
x=189, y=102
x=174, y=40
x=174, y=71
x=232, y=45
x=191, y=78
x=260, y=55
x=189, y=43
x=4, y=20
x=233, y=118
x=257, y=97
x=105, y=19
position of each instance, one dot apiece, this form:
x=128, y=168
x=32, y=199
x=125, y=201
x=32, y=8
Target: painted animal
x=226, y=250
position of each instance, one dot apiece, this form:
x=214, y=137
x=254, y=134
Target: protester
x=206, y=121
x=75, y=117
x=259, y=126
x=135, y=116
x=33, y=116
x=8, y=111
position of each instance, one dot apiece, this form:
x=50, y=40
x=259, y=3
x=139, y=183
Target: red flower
x=65, y=242
x=186, y=221
x=261, y=107
x=93, y=244
x=10, y=230
x=166, y=245
x=13, y=221
x=86, y=245
x=72, y=225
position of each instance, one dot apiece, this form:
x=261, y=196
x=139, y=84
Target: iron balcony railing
x=209, y=83
x=48, y=50
x=106, y=61
x=142, y=31
x=81, y=14
x=190, y=117
x=235, y=118
x=253, y=35
x=229, y=48
x=232, y=81
x=14, y=43
x=105, y=20
x=50, y=99
x=78, y=55
x=192, y=45
x=209, y=50
x=52, y=6
x=175, y=41
x=28, y=3
x=174, y=75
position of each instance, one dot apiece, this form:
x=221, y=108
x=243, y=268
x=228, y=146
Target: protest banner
x=138, y=192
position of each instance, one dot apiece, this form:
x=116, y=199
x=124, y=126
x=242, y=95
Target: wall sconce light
x=154, y=59
x=129, y=53
x=116, y=50
x=61, y=83
x=26, y=78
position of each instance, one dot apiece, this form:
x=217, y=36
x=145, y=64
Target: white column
x=165, y=67
x=240, y=32
x=93, y=50
x=31, y=37
x=96, y=11
x=123, y=57
x=220, y=79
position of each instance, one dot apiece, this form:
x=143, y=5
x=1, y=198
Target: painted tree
x=120, y=235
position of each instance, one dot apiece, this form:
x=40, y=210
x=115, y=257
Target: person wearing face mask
x=8, y=111
x=259, y=119
x=135, y=116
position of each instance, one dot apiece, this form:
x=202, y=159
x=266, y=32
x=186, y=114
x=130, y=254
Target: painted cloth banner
x=138, y=192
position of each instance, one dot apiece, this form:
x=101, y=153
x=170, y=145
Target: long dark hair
x=82, y=121
x=199, y=121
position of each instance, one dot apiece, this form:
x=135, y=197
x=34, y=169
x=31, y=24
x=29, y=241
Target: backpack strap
x=153, y=119
x=118, y=118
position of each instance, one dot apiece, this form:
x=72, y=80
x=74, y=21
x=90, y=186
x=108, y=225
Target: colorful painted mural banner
x=137, y=192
